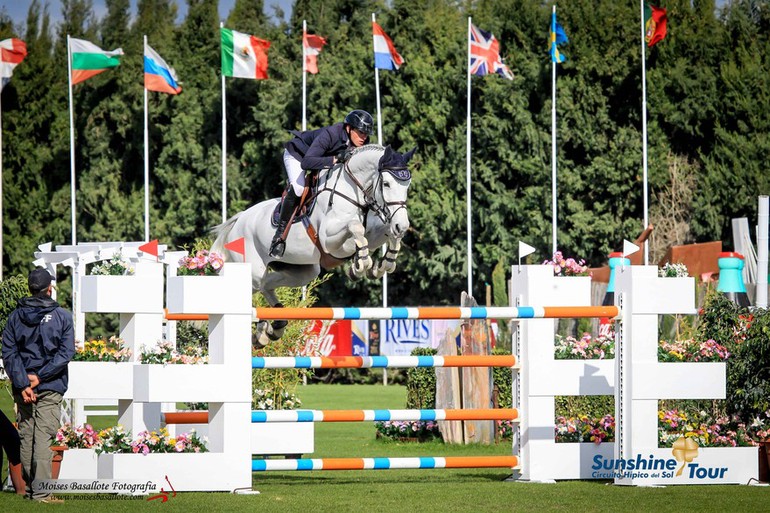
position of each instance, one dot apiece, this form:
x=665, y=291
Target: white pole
x=72, y=145
x=553, y=146
x=1, y=188
x=381, y=142
x=644, y=138
x=146, y=164
x=468, y=167
x=224, y=145
x=304, y=77
x=762, y=252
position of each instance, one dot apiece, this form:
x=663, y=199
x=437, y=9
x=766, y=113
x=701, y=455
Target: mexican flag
x=654, y=24
x=89, y=60
x=243, y=56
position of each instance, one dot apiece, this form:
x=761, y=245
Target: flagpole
x=381, y=143
x=468, y=166
x=224, y=144
x=73, y=200
x=1, y=187
x=644, y=137
x=146, y=163
x=553, y=141
x=304, y=77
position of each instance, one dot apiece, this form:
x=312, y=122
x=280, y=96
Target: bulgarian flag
x=89, y=60
x=12, y=52
x=243, y=56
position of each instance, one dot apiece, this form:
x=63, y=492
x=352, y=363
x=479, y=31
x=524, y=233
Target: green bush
x=421, y=383
x=11, y=290
x=502, y=379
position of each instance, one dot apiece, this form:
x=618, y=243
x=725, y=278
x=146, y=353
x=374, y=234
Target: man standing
x=38, y=342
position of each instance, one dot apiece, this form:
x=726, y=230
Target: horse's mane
x=368, y=147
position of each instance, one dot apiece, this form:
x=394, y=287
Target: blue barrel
x=731, y=278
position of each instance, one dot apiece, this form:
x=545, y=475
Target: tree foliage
x=708, y=106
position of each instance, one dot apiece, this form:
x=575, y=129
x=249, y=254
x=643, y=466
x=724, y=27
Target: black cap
x=39, y=279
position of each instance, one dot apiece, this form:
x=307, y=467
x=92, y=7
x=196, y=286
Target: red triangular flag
x=237, y=246
x=151, y=248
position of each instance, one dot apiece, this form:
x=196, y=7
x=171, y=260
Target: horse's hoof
x=352, y=274
x=257, y=342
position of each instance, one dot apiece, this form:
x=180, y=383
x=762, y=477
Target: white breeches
x=295, y=173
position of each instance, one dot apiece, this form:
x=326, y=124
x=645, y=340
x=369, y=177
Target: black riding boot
x=278, y=246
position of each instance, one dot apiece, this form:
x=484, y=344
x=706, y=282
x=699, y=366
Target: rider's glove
x=343, y=155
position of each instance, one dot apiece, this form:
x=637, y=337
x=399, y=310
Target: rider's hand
x=342, y=156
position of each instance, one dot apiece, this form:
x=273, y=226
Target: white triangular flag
x=525, y=249
x=629, y=248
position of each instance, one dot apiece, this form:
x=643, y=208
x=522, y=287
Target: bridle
x=381, y=209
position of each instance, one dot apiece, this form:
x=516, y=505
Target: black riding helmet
x=360, y=120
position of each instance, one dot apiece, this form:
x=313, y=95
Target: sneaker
x=51, y=499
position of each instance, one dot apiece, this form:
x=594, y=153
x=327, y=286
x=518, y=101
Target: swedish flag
x=557, y=36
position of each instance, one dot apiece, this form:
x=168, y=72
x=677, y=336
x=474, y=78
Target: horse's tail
x=222, y=231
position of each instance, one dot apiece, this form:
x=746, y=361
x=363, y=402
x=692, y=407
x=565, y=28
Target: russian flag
x=159, y=76
x=385, y=54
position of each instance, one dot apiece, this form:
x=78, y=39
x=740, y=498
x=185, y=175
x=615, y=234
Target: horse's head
x=384, y=180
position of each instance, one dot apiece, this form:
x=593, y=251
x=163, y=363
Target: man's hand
x=34, y=381
x=343, y=155
x=28, y=395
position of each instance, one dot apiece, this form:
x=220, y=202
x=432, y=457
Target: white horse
x=358, y=205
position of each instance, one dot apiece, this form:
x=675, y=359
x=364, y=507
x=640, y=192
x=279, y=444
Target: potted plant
x=103, y=361
x=80, y=444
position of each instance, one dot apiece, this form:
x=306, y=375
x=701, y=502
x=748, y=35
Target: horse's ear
x=409, y=154
x=388, y=153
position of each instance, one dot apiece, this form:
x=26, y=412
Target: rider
x=314, y=150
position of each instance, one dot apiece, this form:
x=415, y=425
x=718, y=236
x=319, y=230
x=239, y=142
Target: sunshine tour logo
x=684, y=450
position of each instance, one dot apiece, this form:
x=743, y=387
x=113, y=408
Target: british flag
x=485, y=54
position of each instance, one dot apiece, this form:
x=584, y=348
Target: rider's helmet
x=360, y=120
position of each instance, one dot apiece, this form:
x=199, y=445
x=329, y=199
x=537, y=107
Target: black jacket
x=38, y=339
x=316, y=148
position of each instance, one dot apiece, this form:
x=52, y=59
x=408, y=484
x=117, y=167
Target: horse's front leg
x=362, y=260
x=386, y=264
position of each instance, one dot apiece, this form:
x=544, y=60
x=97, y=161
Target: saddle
x=305, y=205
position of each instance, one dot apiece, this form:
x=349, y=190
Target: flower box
x=570, y=291
x=78, y=464
x=138, y=293
x=100, y=380
x=184, y=471
x=228, y=293
x=191, y=383
x=290, y=438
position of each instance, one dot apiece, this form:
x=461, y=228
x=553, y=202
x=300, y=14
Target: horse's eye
x=386, y=185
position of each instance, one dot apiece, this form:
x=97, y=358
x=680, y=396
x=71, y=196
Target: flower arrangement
x=670, y=270
x=585, y=429
x=710, y=431
x=203, y=263
x=166, y=353
x=100, y=350
x=115, y=266
x=585, y=348
x=692, y=351
x=114, y=440
x=397, y=430
x=266, y=399
x=567, y=266
x=81, y=437
x=160, y=442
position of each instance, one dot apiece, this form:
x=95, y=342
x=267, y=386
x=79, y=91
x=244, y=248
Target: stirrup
x=277, y=248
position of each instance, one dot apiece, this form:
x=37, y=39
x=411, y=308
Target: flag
x=12, y=52
x=485, y=54
x=385, y=54
x=89, y=60
x=557, y=37
x=654, y=24
x=243, y=55
x=159, y=76
x=311, y=47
